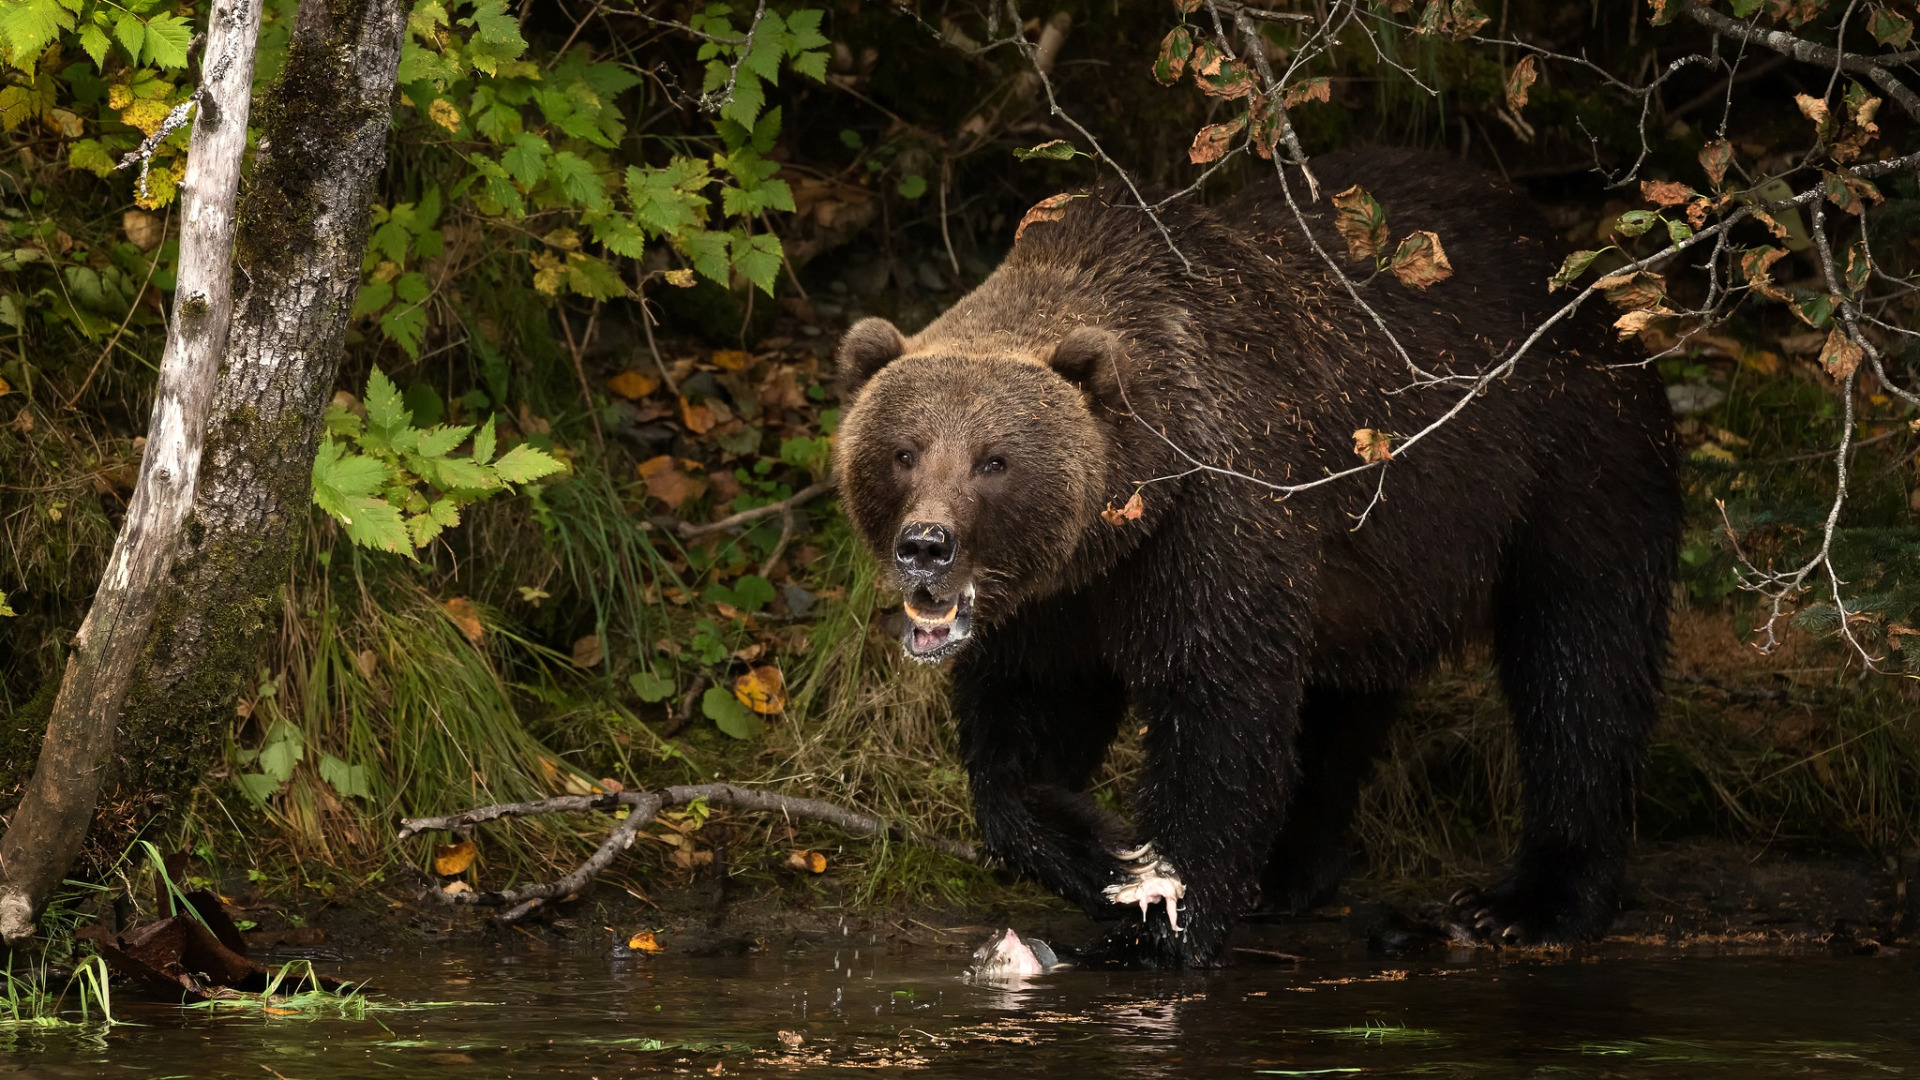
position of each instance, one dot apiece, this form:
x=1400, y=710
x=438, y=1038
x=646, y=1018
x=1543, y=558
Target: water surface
x=534, y=1011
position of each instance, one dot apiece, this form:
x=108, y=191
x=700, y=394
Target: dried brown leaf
x=1361, y=222
x=1130, y=512
x=1051, y=208
x=1841, y=356
x=1420, y=261
x=1372, y=445
x=1519, y=82
x=1212, y=141
x=461, y=611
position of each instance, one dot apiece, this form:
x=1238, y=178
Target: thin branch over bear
x=1264, y=640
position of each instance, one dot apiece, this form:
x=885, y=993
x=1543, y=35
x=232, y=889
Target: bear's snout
x=924, y=550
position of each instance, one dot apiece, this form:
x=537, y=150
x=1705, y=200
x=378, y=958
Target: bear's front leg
x=1031, y=743
x=1211, y=799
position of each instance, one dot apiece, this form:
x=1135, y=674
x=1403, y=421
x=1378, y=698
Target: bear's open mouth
x=936, y=627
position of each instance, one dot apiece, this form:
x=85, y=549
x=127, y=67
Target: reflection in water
x=557, y=1013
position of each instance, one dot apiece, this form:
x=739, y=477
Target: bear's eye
x=994, y=465
x=904, y=458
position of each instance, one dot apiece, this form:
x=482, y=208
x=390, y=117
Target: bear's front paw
x=1150, y=880
x=1510, y=915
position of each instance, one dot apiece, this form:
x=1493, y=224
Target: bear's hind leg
x=1580, y=634
x=1341, y=733
x=1031, y=746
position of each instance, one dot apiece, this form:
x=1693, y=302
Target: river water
x=581, y=1011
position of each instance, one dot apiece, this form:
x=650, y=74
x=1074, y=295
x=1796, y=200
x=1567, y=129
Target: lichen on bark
x=302, y=227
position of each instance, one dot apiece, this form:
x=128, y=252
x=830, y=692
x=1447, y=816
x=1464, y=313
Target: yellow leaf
x=146, y=114
x=632, y=385
x=811, y=862
x=763, y=690
x=1372, y=445
x=698, y=416
x=732, y=360
x=461, y=611
x=1130, y=512
x=644, y=941
x=444, y=114
x=454, y=858
x=680, y=279
x=453, y=888
x=4, y=388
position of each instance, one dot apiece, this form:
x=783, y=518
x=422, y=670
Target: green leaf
x=90, y=155
x=592, y=277
x=406, y=326
x=167, y=39
x=496, y=25
x=385, y=409
x=620, y=235
x=421, y=529
x=445, y=511
x=757, y=257
x=649, y=686
x=258, y=786
x=523, y=463
x=374, y=523
x=1635, y=222
x=29, y=27
x=374, y=295
x=912, y=186
x=483, y=443
x=282, y=751
x=131, y=33
x=351, y=781
x=455, y=474
x=1575, y=265
x=752, y=592
x=526, y=160
x=439, y=441
x=96, y=43
x=1678, y=231
x=732, y=718
x=577, y=179
x=1890, y=28
x=391, y=240
x=749, y=97
x=707, y=251
x=1057, y=150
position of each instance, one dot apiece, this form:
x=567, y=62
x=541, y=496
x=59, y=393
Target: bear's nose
x=924, y=549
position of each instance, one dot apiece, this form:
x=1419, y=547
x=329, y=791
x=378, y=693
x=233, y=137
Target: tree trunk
x=50, y=823
x=303, y=229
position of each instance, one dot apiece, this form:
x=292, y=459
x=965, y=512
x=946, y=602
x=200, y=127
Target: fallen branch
x=689, y=531
x=642, y=807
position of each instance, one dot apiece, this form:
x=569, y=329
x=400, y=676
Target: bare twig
x=1873, y=67
x=689, y=531
x=642, y=806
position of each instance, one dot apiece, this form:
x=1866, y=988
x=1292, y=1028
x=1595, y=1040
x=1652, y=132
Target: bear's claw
x=1153, y=880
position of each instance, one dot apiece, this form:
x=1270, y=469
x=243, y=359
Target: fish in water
x=1007, y=956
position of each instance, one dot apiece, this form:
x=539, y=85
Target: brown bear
x=1262, y=637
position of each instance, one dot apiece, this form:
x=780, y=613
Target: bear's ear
x=869, y=346
x=1090, y=358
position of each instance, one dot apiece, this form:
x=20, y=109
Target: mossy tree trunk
x=49, y=825
x=323, y=132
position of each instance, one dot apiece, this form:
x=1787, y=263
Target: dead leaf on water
x=454, y=858
x=646, y=942
x=792, y=1040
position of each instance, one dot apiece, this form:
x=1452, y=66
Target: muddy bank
x=1703, y=898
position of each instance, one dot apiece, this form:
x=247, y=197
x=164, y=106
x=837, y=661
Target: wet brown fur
x=1263, y=638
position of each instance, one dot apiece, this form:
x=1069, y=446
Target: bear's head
x=971, y=473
